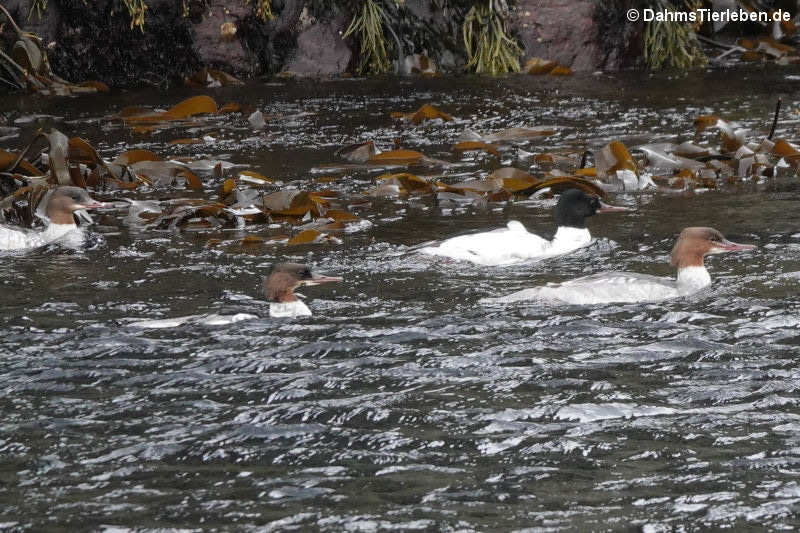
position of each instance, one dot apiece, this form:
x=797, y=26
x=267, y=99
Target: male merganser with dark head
x=61, y=203
x=514, y=243
x=279, y=288
x=629, y=287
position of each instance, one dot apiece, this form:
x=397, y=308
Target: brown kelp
x=166, y=188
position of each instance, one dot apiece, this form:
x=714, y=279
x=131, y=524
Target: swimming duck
x=514, y=243
x=279, y=288
x=60, y=205
x=628, y=287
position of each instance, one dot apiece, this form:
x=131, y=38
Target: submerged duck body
x=629, y=287
x=61, y=204
x=514, y=243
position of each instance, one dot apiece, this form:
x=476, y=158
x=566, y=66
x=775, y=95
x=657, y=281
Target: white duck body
x=202, y=320
x=514, y=244
x=293, y=309
x=628, y=287
x=615, y=287
x=510, y=245
x=18, y=239
x=288, y=309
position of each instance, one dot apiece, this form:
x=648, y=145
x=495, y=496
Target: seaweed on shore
x=263, y=9
x=490, y=47
x=368, y=26
x=673, y=44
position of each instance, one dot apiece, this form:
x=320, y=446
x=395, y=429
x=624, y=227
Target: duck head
x=695, y=243
x=65, y=200
x=575, y=206
x=284, y=278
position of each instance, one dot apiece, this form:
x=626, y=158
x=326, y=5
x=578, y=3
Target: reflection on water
x=404, y=404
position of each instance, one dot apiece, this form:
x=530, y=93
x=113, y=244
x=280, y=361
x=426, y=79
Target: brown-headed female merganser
x=61, y=204
x=279, y=288
x=628, y=287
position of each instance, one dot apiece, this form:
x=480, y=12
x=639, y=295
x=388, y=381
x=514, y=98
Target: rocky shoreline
x=305, y=38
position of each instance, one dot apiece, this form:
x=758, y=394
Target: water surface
x=403, y=403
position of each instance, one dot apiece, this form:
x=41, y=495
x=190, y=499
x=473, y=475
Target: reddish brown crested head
x=284, y=278
x=696, y=243
x=65, y=200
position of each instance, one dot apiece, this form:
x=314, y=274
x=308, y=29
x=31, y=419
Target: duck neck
x=291, y=309
x=56, y=230
x=570, y=237
x=692, y=279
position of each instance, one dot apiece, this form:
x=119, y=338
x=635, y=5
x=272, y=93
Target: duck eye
x=306, y=273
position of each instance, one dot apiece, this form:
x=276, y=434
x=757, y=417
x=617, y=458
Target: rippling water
x=404, y=404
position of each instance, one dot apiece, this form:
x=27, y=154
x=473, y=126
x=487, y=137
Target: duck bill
x=93, y=205
x=606, y=208
x=728, y=246
x=318, y=279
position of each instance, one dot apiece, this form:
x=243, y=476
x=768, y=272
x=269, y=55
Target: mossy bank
x=169, y=39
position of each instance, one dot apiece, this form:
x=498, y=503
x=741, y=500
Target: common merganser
x=628, y=287
x=279, y=288
x=60, y=206
x=514, y=243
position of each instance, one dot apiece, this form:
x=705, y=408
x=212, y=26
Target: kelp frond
x=136, y=9
x=263, y=9
x=368, y=25
x=490, y=48
x=27, y=66
x=672, y=44
x=40, y=6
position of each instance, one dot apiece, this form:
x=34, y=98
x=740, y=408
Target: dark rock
x=94, y=40
x=272, y=43
x=91, y=43
x=425, y=28
x=320, y=51
x=215, y=51
x=44, y=27
x=621, y=41
x=575, y=33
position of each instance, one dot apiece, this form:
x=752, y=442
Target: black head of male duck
x=574, y=206
x=515, y=243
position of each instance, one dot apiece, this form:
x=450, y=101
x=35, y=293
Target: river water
x=404, y=403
